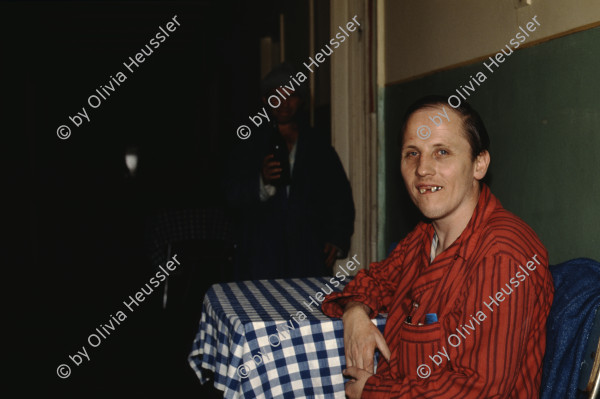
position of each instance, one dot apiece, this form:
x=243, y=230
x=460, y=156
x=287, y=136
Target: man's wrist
x=355, y=304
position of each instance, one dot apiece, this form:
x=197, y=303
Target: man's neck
x=449, y=229
x=289, y=132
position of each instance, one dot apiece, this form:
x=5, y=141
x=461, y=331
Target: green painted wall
x=542, y=110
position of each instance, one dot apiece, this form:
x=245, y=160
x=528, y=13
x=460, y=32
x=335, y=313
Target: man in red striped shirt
x=467, y=293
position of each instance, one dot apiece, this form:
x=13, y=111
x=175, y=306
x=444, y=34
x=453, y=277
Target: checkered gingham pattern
x=242, y=339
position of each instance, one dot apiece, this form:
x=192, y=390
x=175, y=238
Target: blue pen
x=431, y=318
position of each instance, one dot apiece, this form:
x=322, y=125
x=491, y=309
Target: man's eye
x=443, y=152
x=411, y=154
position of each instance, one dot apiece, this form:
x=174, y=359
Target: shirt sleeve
x=506, y=312
x=374, y=287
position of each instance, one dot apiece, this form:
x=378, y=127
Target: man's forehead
x=434, y=116
x=435, y=108
x=416, y=144
x=443, y=133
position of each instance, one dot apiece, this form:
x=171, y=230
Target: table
x=268, y=339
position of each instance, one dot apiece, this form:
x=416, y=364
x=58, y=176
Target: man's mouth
x=433, y=189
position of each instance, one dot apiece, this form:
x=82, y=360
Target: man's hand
x=361, y=337
x=355, y=386
x=270, y=170
x=330, y=254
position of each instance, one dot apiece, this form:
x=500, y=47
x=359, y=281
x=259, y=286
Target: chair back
x=570, y=341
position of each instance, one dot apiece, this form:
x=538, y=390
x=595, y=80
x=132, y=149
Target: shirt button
x=416, y=305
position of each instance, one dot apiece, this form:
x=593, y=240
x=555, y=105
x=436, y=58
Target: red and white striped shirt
x=491, y=291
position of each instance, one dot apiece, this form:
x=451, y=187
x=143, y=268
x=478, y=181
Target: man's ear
x=482, y=163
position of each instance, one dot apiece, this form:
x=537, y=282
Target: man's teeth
x=433, y=189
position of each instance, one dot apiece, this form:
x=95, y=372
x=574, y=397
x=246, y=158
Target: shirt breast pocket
x=416, y=351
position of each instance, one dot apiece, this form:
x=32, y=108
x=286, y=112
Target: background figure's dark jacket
x=285, y=236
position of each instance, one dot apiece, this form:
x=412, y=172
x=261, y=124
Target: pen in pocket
x=431, y=318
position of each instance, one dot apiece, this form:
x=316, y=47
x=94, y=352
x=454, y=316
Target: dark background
x=86, y=224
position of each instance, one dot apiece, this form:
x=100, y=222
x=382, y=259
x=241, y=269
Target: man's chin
x=431, y=213
x=284, y=120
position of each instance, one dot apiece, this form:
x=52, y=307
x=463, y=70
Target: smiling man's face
x=288, y=108
x=441, y=177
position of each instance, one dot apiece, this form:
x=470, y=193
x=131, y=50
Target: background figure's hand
x=270, y=170
x=355, y=386
x=330, y=254
x=361, y=337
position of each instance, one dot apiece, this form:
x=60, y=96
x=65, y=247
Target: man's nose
x=425, y=166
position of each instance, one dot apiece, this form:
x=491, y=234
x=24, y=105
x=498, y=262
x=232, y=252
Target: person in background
x=292, y=200
x=467, y=293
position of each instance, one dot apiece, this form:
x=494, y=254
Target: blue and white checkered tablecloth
x=265, y=339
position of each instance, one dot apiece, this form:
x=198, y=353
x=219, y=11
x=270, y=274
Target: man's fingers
x=367, y=357
x=272, y=167
x=359, y=362
x=329, y=249
x=273, y=172
x=266, y=160
x=370, y=365
x=350, y=372
x=267, y=163
x=354, y=387
x=330, y=259
x=348, y=355
x=349, y=389
x=383, y=347
x=330, y=252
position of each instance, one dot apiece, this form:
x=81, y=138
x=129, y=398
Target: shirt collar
x=486, y=205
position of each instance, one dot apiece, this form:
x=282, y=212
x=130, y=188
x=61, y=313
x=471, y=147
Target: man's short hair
x=473, y=127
